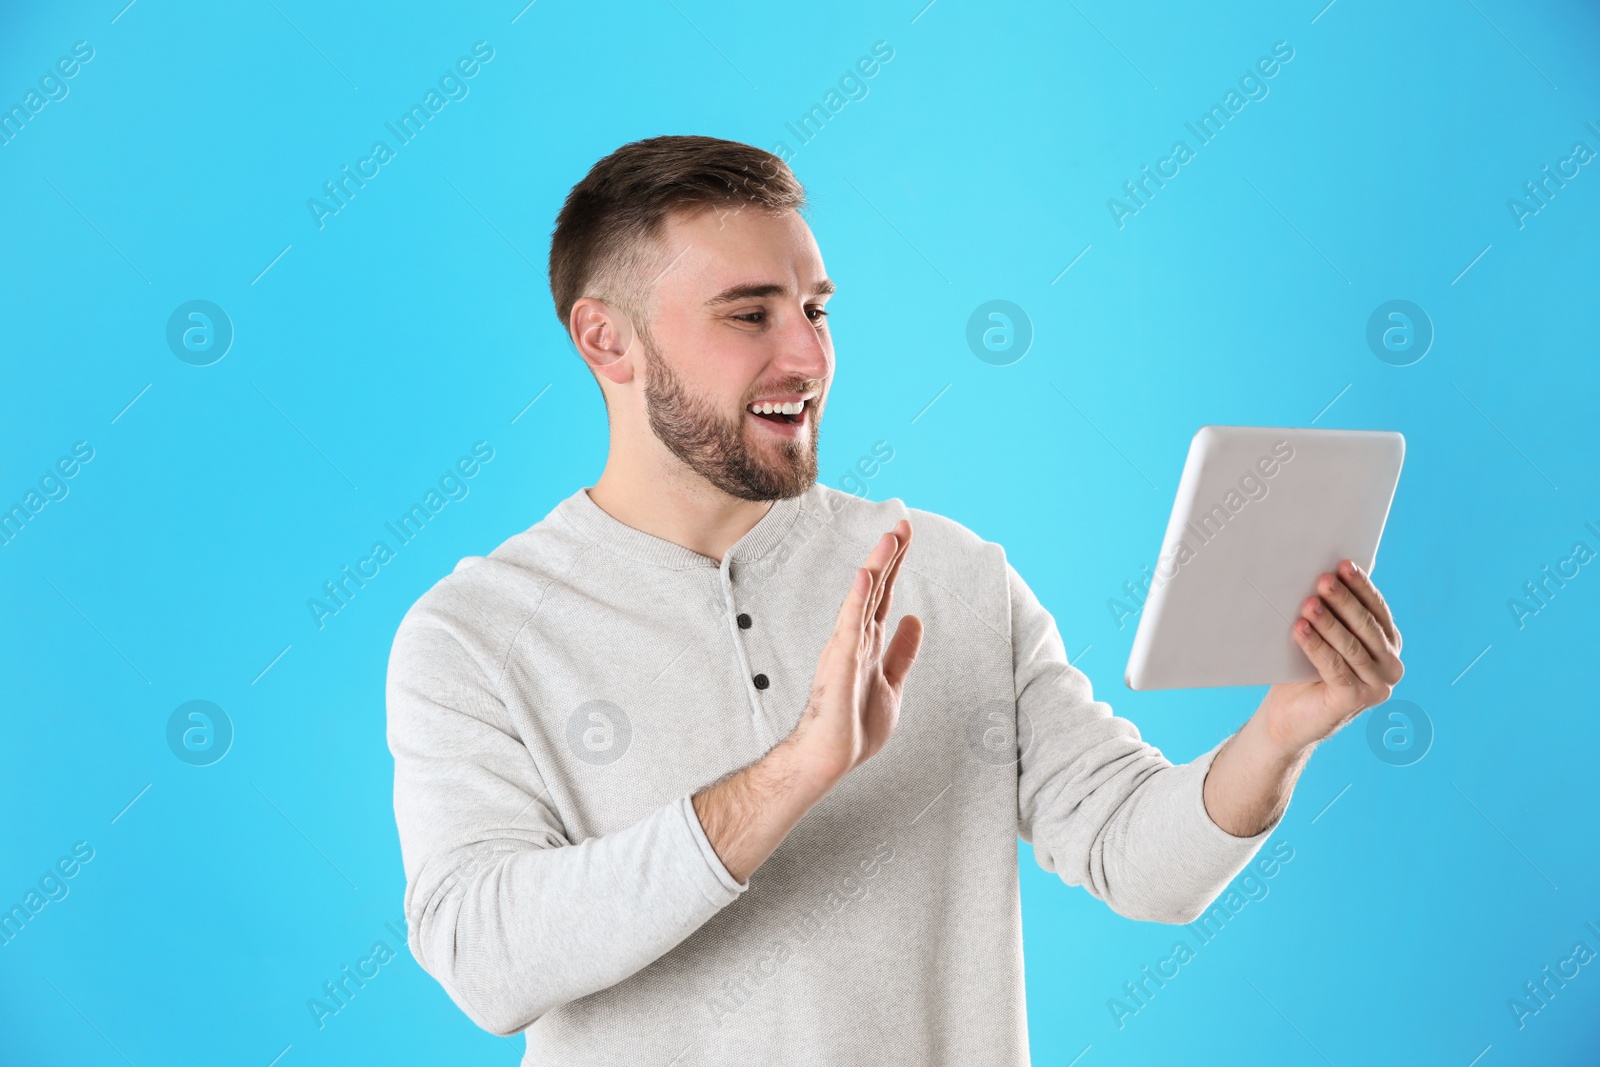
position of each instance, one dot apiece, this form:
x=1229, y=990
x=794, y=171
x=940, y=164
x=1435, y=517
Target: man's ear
x=603, y=336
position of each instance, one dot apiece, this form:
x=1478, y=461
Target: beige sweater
x=553, y=706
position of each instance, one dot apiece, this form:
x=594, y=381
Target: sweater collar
x=596, y=524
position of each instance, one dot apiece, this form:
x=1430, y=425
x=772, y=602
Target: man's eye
x=815, y=314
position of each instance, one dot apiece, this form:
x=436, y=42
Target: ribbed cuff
x=721, y=888
x=1206, y=827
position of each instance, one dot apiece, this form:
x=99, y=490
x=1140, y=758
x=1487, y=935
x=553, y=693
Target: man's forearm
x=748, y=813
x=1250, y=780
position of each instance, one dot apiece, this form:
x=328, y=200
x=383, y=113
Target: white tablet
x=1260, y=514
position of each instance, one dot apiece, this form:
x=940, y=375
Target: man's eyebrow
x=759, y=289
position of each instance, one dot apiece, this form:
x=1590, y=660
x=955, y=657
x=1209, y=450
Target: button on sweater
x=553, y=706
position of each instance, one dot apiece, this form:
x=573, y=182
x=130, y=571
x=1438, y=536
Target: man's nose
x=805, y=348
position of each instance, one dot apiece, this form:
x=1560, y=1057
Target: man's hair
x=606, y=242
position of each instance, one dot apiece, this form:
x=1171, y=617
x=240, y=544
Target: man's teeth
x=767, y=408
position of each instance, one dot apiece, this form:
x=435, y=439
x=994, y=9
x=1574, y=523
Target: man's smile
x=788, y=416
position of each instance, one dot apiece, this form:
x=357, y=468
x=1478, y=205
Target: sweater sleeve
x=503, y=910
x=1101, y=807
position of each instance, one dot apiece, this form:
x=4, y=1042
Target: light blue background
x=376, y=350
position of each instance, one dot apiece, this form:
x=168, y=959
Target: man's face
x=738, y=319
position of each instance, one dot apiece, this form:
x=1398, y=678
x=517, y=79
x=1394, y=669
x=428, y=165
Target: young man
x=664, y=799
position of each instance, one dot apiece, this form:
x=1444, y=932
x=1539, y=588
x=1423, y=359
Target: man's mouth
x=786, y=417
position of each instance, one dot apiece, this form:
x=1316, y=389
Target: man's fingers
x=1361, y=584
x=1342, y=641
x=853, y=612
x=902, y=651
x=1332, y=666
x=1360, y=621
x=859, y=604
x=881, y=573
x=869, y=597
x=882, y=611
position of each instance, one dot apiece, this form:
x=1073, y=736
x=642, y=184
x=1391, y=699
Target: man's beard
x=715, y=448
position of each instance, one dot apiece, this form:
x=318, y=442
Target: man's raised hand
x=855, y=695
x=854, y=705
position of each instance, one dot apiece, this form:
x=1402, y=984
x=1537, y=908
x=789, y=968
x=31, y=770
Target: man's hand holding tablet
x=1348, y=632
x=1261, y=514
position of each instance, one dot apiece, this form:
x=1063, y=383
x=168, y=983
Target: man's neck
x=692, y=513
